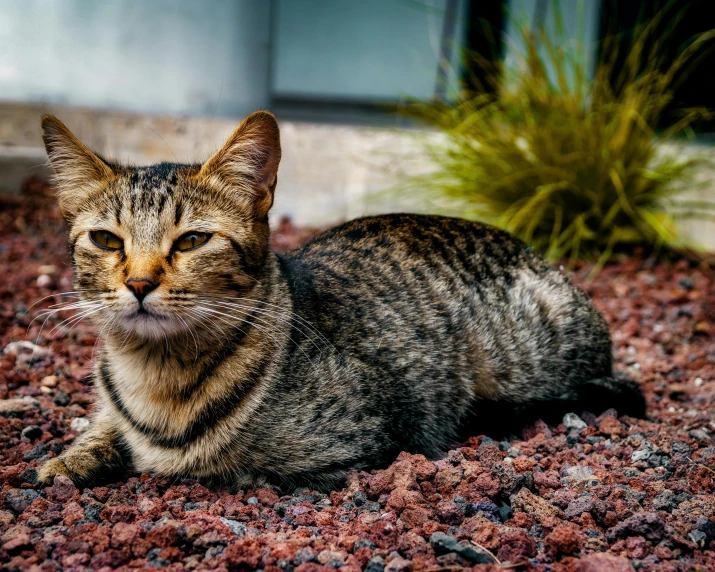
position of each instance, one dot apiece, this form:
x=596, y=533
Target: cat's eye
x=191, y=240
x=105, y=240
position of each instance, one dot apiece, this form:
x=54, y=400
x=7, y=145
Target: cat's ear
x=79, y=172
x=247, y=164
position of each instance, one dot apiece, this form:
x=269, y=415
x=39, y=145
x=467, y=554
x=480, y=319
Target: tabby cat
x=222, y=359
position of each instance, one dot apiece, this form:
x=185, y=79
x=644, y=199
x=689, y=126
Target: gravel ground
x=593, y=493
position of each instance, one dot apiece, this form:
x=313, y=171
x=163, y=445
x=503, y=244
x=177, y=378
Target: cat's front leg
x=90, y=455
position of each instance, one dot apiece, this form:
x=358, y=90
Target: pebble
x=238, y=528
x=80, y=424
x=18, y=405
x=32, y=432
x=45, y=281
x=573, y=421
x=49, y=381
x=375, y=564
x=61, y=399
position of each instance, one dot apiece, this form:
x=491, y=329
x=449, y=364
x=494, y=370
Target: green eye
x=191, y=240
x=105, y=240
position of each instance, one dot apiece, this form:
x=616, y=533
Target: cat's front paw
x=80, y=466
x=51, y=469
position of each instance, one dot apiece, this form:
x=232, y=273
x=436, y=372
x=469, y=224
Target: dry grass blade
x=573, y=167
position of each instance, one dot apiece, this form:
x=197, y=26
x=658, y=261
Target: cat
x=226, y=361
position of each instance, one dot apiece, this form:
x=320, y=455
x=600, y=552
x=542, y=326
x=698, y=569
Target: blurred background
x=373, y=94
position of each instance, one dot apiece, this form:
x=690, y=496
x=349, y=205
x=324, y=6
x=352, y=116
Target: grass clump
x=569, y=161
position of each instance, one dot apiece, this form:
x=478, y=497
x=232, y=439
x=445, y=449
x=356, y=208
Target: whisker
x=78, y=293
x=298, y=317
x=268, y=324
x=268, y=313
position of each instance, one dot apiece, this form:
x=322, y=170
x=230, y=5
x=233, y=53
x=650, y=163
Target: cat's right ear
x=78, y=171
x=246, y=167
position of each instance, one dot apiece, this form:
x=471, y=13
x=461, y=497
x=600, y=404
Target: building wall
x=159, y=56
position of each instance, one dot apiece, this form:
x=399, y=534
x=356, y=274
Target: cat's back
x=406, y=244
x=444, y=290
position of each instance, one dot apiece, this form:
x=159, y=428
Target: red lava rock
x=266, y=497
x=637, y=547
x=617, y=487
x=124, y=534
x=415, y=516
x=516, y=547
x=646, y=524
x=529, y=503
x=486, y=534
x=18, y=542
x=563, y=540
x=611, y=426
x=521, y=520
x=449, y=513
x=399, y=475
x=164, y=536
x=62, y=489
x=424, y=469
x=604, y=562
x=243, y=554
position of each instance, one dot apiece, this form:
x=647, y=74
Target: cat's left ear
x=247, y=165
x=78, y=171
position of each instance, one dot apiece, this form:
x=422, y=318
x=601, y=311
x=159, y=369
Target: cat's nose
x=140, y=287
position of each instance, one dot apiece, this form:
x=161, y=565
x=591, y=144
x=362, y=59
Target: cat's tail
x=618, y=392
x=501, y=417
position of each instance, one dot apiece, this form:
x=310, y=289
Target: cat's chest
x=149, y=389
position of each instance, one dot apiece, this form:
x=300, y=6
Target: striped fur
x=255, y=368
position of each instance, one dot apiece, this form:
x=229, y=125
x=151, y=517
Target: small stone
x=32, y=432
x=62, y=489
x=578, y=473
x=331, y=558
x=80, y=424
x=359, y=498
x=238, y=528
x=442, y=544
x=537, y=507
x=45, y=281
x=29, y=475
x=35, y=453
x=707, y=526
x=18, y=500
x=563, y=540
x=698, y=434
x=604, y=562
x=375, y=564
x=646, y=524
x=364, y=543
x=304, y=555
x=399, y=564
x=49, y=381
x=61, y=399
x=666, y=501
x=18, y=405
x=516, y=546
x=698, y=537
x=449, y=513
x=573, y=421
x=644, y=453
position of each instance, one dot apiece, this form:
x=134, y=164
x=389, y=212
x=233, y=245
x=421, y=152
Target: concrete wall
x=328, y=172
x=163, y=56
